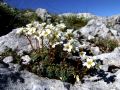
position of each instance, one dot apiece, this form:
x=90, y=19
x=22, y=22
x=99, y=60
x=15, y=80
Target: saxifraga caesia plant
x=57, y=43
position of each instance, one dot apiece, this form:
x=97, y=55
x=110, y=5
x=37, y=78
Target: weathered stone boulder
x=11, y=40
x=42, y=13
x=10, y=79
x=24, y=80
x=112, y=58
x=8, y=59
x=96, y=28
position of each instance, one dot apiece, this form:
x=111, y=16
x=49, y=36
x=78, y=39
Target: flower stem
x=42, y=44
x=30, y=42
x=36, y=43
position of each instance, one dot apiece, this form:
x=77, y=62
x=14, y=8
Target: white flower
x=76, y=48
x=19, y=30
x=46, y=32
x=61, y=26
x=61, y=42
x=69, y=31
x=71, y=40
x=50, y=27
x=57, y=29
x=77, y=78
x=42, y=24
x=25, y=30
x=26, y=59
x=57, y=34
x=39, y=31
x=53, y=46
x=43, y=33
x=29, y=25
x=31, y=30
x=90, y=63
x=36, y=37
x=68, y=47
x=60, y=78
x=83, y=55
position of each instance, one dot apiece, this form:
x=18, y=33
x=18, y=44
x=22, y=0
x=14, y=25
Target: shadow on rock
x=102, y=75
x=16, y=76
x=8, y=76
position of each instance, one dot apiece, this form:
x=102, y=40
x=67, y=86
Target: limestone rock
x=11, y=40
x=95, y=50
x=112, y=58
x=8, y=59
x=24, y=80
x=42, y=13
x=11, y=80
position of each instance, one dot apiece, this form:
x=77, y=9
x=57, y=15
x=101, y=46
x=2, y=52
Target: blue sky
x=97, y=7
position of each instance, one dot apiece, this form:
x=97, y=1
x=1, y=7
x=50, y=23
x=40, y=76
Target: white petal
x=53, y=46
x=77, y=78
x=93, y=64
x=88, y=66
x=85, y=64
x=69, y=50
x=89, y=60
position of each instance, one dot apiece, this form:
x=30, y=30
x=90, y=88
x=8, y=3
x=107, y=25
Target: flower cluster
x=55, y=35
x=53, y=44
x=89, y=63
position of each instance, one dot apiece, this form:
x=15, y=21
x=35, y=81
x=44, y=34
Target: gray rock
x=117, y=27
x=108, y=82
x=42, y=13
x=8, y=59
x=15, y=67
x=24, y=80
x=11, y=40
x=112, y=58
x=114, y=22
x=117, y=50
x=95, y=50
x=88, y=16
x=97, y=28
x=17, y=42
x=104, y=67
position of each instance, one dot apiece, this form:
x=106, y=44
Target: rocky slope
x=108, y=78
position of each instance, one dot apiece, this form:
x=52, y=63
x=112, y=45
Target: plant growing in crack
x=54, y=44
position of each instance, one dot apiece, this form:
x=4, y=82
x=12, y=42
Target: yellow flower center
x=89, y=62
